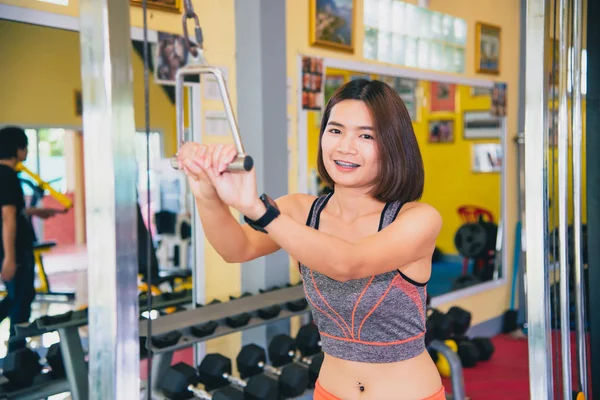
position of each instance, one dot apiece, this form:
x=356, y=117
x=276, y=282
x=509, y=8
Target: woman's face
x=348, y=145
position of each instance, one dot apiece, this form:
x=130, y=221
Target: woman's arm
x=215, y=192
x=411, y=237
x=237, y=243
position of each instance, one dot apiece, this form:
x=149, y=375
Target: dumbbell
x=215, y=373
x=181, y=382
x=485, y=347
x=55, y=361
x=439, y=325
x=282, y=350
x=461, y=320
x=443, y=326
x=292, y=379
x=23, y=367
x=467, y=351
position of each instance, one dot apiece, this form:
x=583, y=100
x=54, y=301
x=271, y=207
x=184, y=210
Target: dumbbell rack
x=179, y=325
x=67, y=326
x=76, y=370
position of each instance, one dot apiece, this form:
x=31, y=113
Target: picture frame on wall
x=441, y=131
x=487, y=158
x=487, y=48
x=312, y=83
x=443, y=97
x=332, y=24
x=173, y=6
x=481, y=125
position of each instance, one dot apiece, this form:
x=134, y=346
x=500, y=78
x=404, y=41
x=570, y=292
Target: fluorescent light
x=57, y=2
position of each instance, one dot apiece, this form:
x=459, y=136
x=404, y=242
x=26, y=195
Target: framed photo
x=332, y=24
x=487, y=157
x=312, y=83
x=441, y=131
x=443, y=97
x=487, y=48
x=173, y=6
x=481, y=125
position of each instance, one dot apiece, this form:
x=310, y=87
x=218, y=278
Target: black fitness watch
x=272, y=213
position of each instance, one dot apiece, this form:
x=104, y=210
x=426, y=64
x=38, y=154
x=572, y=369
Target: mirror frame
x=423, y=75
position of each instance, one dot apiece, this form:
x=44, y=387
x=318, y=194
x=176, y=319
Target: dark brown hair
x=401, y=174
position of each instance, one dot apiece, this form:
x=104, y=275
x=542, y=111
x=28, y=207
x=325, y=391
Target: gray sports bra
x=378, y=319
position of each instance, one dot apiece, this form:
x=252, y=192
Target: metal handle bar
x=243, y=162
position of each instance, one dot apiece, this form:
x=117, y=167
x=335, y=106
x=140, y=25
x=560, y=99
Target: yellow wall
x=491, y=303
x=45, y=73
x=441, y=160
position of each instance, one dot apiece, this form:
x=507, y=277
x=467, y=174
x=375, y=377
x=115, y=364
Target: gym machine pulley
x=199, y=66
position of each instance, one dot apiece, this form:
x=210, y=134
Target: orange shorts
x=322, y=394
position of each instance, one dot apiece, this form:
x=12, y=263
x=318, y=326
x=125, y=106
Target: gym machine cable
x=197, y=67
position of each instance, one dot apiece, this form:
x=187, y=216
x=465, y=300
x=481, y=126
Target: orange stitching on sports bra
x=325, y=313
x=325, y=301
x=376, y=305
x=374, y=343
x=358, y=301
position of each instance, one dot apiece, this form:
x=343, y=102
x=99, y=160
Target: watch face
x=266, y=198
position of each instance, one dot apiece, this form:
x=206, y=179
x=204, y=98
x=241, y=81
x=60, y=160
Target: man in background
x=16, y=234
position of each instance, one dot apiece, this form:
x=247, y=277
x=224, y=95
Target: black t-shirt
x=11, y=193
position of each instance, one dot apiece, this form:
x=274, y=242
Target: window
x=404, y=34
x=46, y=158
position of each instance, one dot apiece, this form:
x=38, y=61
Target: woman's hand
x=200, y=185
x=207, y=166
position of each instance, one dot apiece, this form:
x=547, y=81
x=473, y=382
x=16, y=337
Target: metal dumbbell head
x=282, y=350
x=461, y=320
x=485, y=347
x=21, y=367
x=293, y=380
x=261, y=387
x=308, y=340
x=215, y=371
x=55, y=361
x=176, y=381
x=228, y=393
x=441, y=324
x=251, y=360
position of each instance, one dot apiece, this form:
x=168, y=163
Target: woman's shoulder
x=422, y=210
x=297, y=205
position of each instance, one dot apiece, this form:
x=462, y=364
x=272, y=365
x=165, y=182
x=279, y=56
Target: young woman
x=364, y=250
